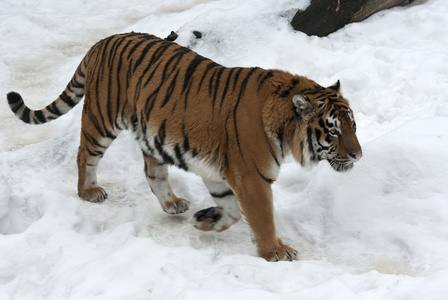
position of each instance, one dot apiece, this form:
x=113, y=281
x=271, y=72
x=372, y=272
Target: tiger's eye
x=334, y=132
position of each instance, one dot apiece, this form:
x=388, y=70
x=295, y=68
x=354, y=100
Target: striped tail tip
x=15, y=101
x=19, y=108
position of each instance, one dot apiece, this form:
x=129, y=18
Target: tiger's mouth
x=341, y=166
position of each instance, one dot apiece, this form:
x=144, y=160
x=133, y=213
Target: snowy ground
x=377, y=232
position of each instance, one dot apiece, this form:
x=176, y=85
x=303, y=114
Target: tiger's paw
x=207, y=219
x=281, y=253
x=213, y=218
x=176, y=206
x=94, y=195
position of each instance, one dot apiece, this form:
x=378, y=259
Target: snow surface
x=377, y=232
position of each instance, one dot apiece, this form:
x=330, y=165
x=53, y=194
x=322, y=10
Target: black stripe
x=144, y=133
x=222, y=194
x=94, y=152
x=329, y=125
x=186, y=143
x=26, y=115
x=103, y=56
x=110, y=135
x=322, y=125
x=40, y=116
x=70, y=87
x=321, y=148
x=295, y=81
x=242, y=89
x=112, y=61
x=106, y=132
x=165, y=157
x=143, y=54
x=104, y=73
x=156, y=55
x=216, y=86
x=167, y=67
x=180, y=158
x=150, y=76
x=317, y=133
x=95, y=122
x=310, y=143
x=318, y=90
x=237, y=75
x=67, y=100
x=113, y=51
x=120, y=62
x=226, y=129
x=226, y=87
x=268, y=75
x=191, y=69
x=91, y=140
x=110, y=118
x=159, y=141
x=99, y=123
x=280, y=134
x=210, y=84
x=204, y=74
x=274, y=155
x=133, y=49
x=170, y=90
x=150, y=102
x=301, y=152
x=286, y=93
x=53, y=109
x=186, y=94
x=76, y=84
x=268, y=180
x=162, y=132
x=332, y=112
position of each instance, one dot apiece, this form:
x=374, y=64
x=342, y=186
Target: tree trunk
x=323, y=17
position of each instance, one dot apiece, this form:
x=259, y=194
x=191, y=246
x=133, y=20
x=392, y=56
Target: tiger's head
x=327, y=129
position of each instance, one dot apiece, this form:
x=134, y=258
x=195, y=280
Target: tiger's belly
x=168, y=152
x=205, y=170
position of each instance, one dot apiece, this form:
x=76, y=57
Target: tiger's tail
x=71, y=96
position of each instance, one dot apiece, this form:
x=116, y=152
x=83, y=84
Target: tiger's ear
x=336, y=86
x=302, y=105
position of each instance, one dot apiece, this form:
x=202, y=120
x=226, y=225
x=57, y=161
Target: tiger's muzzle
x=344, y=165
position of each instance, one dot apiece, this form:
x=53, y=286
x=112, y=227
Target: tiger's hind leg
x=221, y=217
x=157, y=176
x=90, y=152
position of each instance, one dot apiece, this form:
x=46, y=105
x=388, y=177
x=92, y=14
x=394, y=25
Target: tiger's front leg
x=157, y=176
x=255, y=199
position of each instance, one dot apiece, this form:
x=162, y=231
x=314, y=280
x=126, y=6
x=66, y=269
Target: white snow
x=379, y=231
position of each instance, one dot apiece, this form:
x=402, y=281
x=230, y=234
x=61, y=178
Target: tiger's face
x=330, y=130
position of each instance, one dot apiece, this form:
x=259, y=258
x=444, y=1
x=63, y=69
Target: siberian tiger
x=232, y=126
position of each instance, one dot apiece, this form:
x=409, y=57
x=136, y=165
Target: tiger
x=231, y=126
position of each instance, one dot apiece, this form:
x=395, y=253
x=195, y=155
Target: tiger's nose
x=355, y=155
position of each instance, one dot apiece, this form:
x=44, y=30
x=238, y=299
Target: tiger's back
x=176, y=101
x=232, y=126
